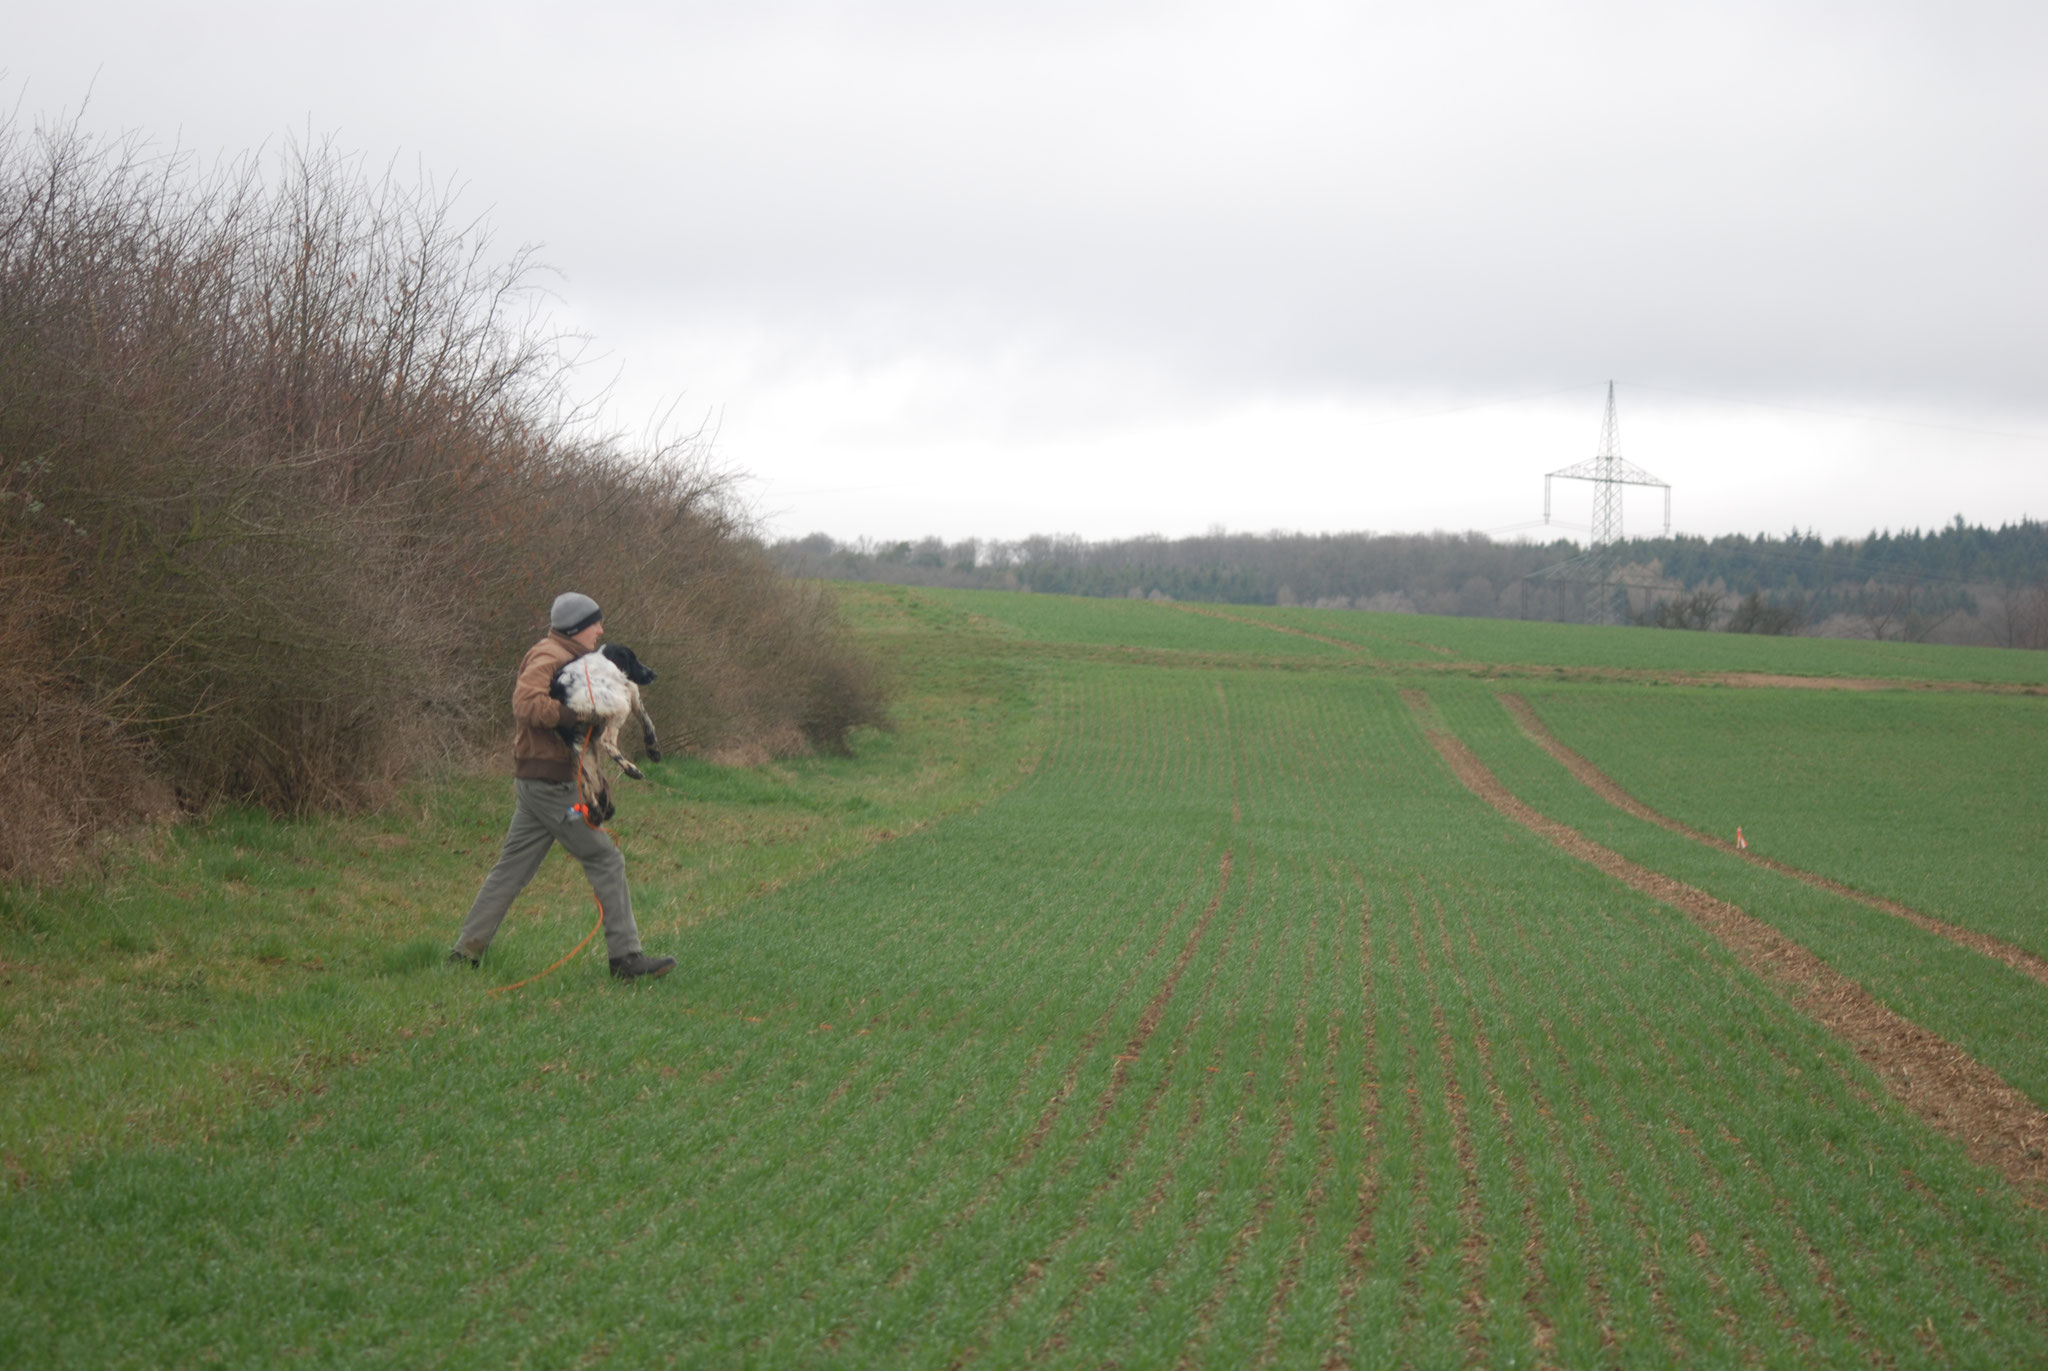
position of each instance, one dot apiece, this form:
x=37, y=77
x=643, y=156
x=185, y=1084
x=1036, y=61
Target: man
x=546, y=804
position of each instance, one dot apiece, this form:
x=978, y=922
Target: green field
x=1940, y=801
x=1501, y=642
x=1154, y=995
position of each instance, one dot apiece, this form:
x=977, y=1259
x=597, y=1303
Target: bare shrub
x=67, y=772
x=1697, y=610
x=2017, y=614
x=1755, y=614
x=292, y=464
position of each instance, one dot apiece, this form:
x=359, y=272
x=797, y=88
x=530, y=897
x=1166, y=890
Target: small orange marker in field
x=1741, y=842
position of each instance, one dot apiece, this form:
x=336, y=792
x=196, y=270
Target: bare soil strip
x=1360, y=659
x=1604, y=786
x=1767, y=681
x=1997, y=1125
x=1741, y=680
x=1752, y=680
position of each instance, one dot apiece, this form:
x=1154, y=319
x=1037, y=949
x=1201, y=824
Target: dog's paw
x=653, y=754
x=635, y=772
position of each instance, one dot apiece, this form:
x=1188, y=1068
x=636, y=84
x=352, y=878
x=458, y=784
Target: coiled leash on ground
x=582, y=811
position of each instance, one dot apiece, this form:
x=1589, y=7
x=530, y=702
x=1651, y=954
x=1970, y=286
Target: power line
x=834, y=490
x=1482, y=404
x=1844, y=565
x=1718, y=399
x=1537, y=523
x=1607, y=471
x=1594, y=571
x=1845, y=414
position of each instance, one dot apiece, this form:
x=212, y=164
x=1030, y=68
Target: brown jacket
x=538, y=753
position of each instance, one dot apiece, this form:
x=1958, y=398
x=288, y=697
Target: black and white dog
x=604, y=687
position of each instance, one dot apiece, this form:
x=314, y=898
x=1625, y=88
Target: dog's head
x=624, y=658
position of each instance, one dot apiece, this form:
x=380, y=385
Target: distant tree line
x=1959, y=582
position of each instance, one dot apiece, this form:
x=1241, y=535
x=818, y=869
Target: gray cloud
x=1089, y=213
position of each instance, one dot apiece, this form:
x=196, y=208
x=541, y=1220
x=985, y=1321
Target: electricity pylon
x=1608, y=472
x=1594, y=569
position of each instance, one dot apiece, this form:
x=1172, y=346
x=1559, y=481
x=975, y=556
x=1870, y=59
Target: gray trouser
x=540, y=819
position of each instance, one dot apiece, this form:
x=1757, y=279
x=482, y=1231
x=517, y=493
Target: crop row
x=1510, y=642
x=1988, y=1009
x=1238, y=1034
x=1931, y=799
x=1606, y=788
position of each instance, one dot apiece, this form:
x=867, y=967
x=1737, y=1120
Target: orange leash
x=582, y=808
x=500, y=990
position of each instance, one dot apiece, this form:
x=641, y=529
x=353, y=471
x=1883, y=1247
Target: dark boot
x=457, y=957
x=634, y=965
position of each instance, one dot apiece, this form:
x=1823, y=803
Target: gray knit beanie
x=573, y=613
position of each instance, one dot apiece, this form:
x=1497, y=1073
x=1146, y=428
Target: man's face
x=587, y=639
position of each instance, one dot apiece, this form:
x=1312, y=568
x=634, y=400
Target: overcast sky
x=1124, y=268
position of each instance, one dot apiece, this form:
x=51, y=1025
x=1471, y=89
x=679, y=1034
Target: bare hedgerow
x=68, y=773
x=292, y=464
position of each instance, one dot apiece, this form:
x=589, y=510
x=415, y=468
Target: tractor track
x=1997, y=1125
x=1603, y=785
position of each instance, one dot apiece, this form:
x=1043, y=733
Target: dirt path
x=1997, y=1125
x=1739, y=680
x=1749, y=680
x=1359, y=658
x=1596, y=780
x=1766, y=681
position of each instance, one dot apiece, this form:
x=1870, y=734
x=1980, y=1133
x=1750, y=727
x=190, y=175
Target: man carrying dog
x=547, y=809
